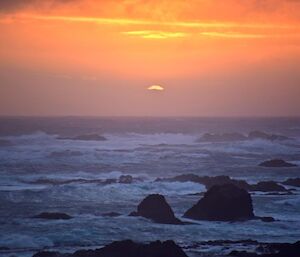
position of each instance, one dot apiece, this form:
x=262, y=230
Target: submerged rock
x=295, y=182
x=53, y=216
x=111, y=214
x=223, y=203
x=156, y=208
x=277, y=163
x=125, y=179
x=126, y=248
x=268, y=186
x=86, y=137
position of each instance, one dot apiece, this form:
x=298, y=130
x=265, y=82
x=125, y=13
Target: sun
x=155, y=88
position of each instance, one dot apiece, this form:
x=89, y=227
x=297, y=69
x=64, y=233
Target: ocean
x=43, y=169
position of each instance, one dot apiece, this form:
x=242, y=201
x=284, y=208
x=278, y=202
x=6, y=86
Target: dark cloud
x=15, y=5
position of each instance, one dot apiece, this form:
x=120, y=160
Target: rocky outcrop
x=226, y=137
x=223, y=203
x=156, y=208
x=206, y=180
x=125, y=179
x=295, y=182
x=86, y=137
x=277, y=163
x=268, y=186
x=126, y=248
x=53, y=216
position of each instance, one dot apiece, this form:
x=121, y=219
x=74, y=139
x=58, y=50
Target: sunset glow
x=217, y=58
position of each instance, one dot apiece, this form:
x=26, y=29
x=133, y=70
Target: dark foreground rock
x=156, y=208
x=274, y=250
x=223, y=203
x=295, y=182
x=126, y=248
x=53, y=216
x=268, y=186
x=277, y=163
x=87, y=137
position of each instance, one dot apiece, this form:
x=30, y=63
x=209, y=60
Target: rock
x=262, y=135
x=223, y=203
x=295, y=182
x=111, y=214
x=109, y=181
x=221, y=180
x=126, y=248
x=206, y=180
x=53, y=216
x=125, y=179
x=156, y=208
x=277, y=163
x=4, y=143
x=87, y=137
x=268, y=186
x=275, y=250
x=49, y=254
x=226, y=137
x=267, y=219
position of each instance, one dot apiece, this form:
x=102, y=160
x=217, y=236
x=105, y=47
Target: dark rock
x=275, y=250
x=221, y=180
x=48, y=254
x=265, y=136
x=87, y=137
x=125, y=179
x=206, y=180
x=53, y=216
x=295, y=182
x=226, y=137
x=126, y=248
x=109, y=181
x=267, y=219
x=277, y=163
x=223, y=203
x=111, y=214
x=4, y=248
x=156, y=208
x=268, y=186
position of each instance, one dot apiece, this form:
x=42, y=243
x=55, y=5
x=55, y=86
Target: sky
x=150, y=57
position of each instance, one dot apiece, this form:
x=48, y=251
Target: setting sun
x=156, y=88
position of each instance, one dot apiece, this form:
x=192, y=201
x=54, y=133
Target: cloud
x=155, y=34
x=8, y=6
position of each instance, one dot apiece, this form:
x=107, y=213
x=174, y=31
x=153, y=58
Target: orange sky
x=88, y=57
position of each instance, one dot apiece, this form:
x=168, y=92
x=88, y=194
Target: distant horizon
x=132, y=116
